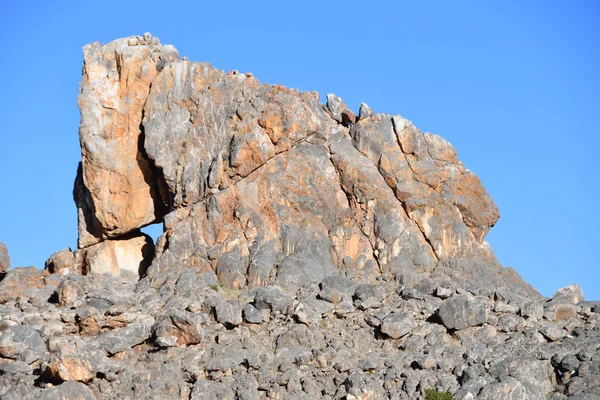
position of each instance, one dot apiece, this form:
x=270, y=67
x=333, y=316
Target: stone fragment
x=63, y=262
x=571, y=294
x=127, y=257
x=369, y=296
x=71, y=290
x=70, y=368
x=251, y=314
x=502, y=307
x=120, y=339
x=443, y=292
x=533, y=310
x=364, y=111
x=21, y=282
x=462, y=311
x=229, y=313
x=348, y=117
x=335, y=106
x=510, y=323
x=271, y=298
x=552, y=332
x=507, y=389
x=398, y=324
x=336, y=288
x=4, y=258
x=177, y=329
x=20, y=342
x=68, y=391
x=563, y=312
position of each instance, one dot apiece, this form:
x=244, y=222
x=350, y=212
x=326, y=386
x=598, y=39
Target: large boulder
x=115, y=189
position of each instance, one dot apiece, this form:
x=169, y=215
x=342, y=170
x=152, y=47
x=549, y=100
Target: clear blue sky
x=514, y=85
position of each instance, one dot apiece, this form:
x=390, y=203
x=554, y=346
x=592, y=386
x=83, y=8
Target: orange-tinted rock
x=116, y=189
x=128, y=257
x=64, y=262
x=70, y=368
x=264, y=185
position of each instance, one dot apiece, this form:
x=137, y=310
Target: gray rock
x=510, y=323
x=462, y=311
x=271, y=298
x=4, y=258
x=552, y=332
x=369, y=296
x=364, y=111
x=177, y=328
x=443, y=292
x=22, y=343
x=15, y=367
x=121, y=339
x=68, y=391
x=507, y=389
x=532, y=310
x=335, y=106
x=229, y=313
x=251, y=314
x=397, y=325
x=336, y=288
x=571, y=294
x=63, y=262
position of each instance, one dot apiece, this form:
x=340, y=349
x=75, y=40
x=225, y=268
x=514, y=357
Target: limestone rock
x=462, y=311
x=64, y=262
x=4, y=258
x=128, y=257
x=571, y=294
x=21, y=282
x=397, y=325
x=177, y=329
x=262, y=184
x=68, y=390
x=116, y=190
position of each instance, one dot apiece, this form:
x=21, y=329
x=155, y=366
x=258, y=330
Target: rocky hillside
x=308, y=252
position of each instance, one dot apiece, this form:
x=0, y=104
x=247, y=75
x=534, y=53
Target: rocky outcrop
x=263, y=185
x=307, y=253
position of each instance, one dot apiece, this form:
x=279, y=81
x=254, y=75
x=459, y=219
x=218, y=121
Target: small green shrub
x=432, y=394
x=215, y=287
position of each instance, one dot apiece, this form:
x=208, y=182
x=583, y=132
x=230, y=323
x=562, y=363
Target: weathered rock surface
x=116, y=189
x=4, y=258
x=306, y=254
x=263, y=185
x=127, y=256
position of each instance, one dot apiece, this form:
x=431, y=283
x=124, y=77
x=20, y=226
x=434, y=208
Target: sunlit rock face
x=116, y=185
x=264, y=185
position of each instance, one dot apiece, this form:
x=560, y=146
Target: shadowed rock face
x=263, y=185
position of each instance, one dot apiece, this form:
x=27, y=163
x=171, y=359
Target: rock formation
x=307, y=253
